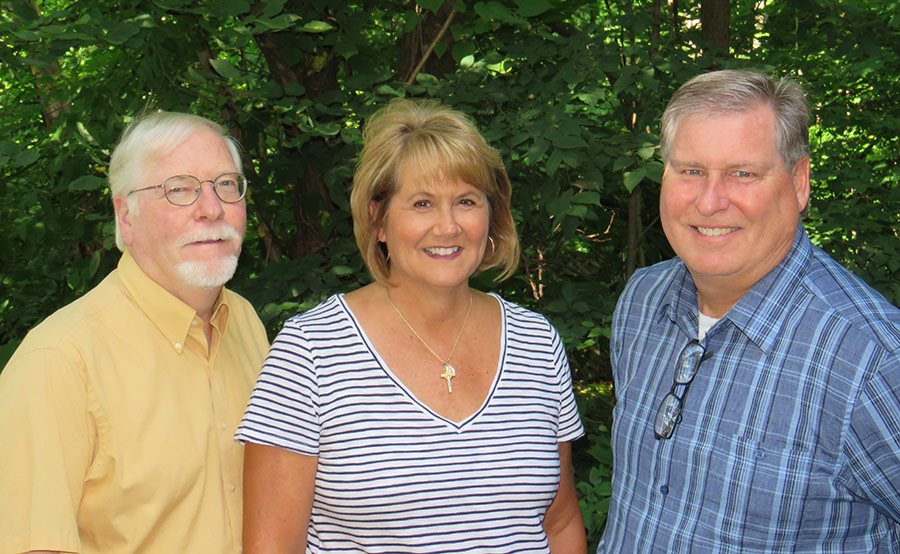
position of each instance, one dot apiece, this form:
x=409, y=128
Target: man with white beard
x=117, y=412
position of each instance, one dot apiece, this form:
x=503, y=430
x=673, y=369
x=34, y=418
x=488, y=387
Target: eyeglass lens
x=183, y=190
x=669, y=413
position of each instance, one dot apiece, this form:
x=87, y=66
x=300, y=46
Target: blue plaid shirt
x=790, y=437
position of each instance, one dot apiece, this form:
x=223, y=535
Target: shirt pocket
x=764, y=492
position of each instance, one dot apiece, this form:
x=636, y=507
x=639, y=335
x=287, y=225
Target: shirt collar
x=759, y=314
x=170, y=315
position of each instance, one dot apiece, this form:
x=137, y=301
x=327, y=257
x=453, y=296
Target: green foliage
x=569, y=91
x=592, y=457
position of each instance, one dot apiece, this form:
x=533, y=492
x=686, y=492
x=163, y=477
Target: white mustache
x=223, y=232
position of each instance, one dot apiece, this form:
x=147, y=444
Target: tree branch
x=427, y=54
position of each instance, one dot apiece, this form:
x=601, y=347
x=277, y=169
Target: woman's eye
x=422, y=204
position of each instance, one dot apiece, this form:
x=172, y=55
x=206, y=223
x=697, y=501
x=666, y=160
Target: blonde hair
x=154, y=135
x=442, y=143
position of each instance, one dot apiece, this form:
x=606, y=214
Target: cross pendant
x=449, y=373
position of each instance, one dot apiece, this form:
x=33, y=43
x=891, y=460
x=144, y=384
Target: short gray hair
x=155, y=135
x=736, y=91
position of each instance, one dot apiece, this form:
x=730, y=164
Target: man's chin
x=208, y=274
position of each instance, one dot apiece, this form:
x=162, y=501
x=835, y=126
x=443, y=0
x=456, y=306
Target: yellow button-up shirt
x=116, y=423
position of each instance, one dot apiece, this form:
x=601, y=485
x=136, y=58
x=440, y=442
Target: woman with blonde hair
x=416, y=414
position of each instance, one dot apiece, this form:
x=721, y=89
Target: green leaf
x=27, y=35
x=531, y=8
x=317, y=27
x=26, y=157
x=431, y=5
x=553, y=162
x=329, y=129
x=634, y=178
x=294, y=89
x=271, y=8
x=569, y=141
x=646, y=152
x=118, y=33
x=463, y=50
x=277, y=23
x=387, y=90
x=587, y=197
x=497, y=11
x=224, y=68
x=622, y=162
x=8, y=148
x=654, y=171
x=194, y=75
x=346, y=49
x=95, y=263
x=87, y=182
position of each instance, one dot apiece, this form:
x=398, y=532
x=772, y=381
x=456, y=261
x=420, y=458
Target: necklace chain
x=449, y=371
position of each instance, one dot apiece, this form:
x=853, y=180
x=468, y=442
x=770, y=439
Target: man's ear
x=800, y=175
x=123, y=218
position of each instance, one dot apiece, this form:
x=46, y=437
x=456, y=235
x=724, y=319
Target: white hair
x=154, y=135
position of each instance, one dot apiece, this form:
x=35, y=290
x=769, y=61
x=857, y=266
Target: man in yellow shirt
x=117, y=412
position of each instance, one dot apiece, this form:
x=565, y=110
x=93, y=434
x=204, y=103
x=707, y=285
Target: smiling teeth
x=715, y=231
x=442, y=251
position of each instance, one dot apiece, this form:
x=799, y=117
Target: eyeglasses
x=184, y=190
x=669, y=413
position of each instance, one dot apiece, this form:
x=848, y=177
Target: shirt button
x=178, y=346
x=664, y=489
x=194, y=323
x=223, y=426
x=760, y=454
x=233, y=488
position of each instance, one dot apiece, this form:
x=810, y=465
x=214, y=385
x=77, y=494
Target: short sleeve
x=570, y=427
x=283, y=410
x=46, y=428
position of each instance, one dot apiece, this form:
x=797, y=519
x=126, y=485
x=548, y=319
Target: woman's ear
x=373, y=211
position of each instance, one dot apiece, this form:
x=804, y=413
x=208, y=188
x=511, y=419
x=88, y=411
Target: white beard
x=207, y=275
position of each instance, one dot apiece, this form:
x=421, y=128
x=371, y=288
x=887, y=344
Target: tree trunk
x=317, y=73
x=715, y=18
x=635, y=231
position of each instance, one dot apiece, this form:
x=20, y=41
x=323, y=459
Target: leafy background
x=570, y=92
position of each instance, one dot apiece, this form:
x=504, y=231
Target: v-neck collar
x=458, y=426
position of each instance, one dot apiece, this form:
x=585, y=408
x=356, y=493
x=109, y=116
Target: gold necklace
x=449, y=372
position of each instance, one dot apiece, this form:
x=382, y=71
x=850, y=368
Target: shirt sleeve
x=570, y=427
x=873, y=447
x=284, y=407
x=46, y=428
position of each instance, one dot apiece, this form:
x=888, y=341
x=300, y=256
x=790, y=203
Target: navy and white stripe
x=790, y=437
x=393, y=476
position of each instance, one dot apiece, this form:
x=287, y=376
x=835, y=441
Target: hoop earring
x=492, y=244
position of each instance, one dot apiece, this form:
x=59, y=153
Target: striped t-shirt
x=393, y=476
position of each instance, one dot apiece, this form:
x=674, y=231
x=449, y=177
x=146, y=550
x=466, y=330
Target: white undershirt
x=704, y=324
